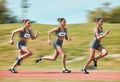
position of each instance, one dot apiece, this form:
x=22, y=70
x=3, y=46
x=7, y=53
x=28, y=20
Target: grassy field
x=81, y=35
x=50, y=80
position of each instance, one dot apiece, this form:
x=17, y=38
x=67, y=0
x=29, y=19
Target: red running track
x=56, y=74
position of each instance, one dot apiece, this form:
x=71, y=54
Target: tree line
x=5, y=14
x=109, y=15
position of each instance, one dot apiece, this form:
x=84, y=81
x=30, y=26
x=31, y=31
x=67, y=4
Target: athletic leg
x=54, y=57
x=60, y=50
x=92, y=53
x=103, y=53
x=26, y=51
x=12, y=69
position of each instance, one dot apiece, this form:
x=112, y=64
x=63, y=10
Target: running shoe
x=18, y=61
x=95, y=62
x=84, y=71
x=39, y=59
x=13, y=70
x=66, y=71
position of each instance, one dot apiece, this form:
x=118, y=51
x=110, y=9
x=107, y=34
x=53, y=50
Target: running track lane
x=57, y=74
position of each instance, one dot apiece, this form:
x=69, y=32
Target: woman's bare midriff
x=24, y=39
x=60, y=38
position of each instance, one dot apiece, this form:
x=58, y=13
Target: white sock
x=11, y=68
x=64, y=68
x=83, y=68
x=18, y=57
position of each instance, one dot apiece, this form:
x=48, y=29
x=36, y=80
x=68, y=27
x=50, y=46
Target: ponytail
x=98, y=19
x=60, y=19
x=25, y=20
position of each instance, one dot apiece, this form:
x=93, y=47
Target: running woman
x=61, y=33
x=23, y=51
x=95, y=45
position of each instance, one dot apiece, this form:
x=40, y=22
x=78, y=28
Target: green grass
x=50, y=80
x=81, y=35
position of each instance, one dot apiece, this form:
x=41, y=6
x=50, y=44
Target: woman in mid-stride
x=23, y=52
x=61, y=33
x=95, y=45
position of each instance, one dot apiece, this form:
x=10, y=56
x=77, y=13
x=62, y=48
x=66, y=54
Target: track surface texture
x=57, y=74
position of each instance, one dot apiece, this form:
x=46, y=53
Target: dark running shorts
x=95, y=44
x=20, y=44
x=57, y=43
